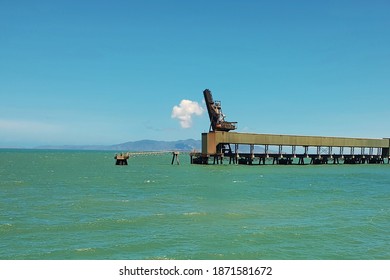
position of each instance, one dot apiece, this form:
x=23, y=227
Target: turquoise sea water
x=79, y=205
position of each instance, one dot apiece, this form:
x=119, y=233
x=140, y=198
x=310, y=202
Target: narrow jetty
x=121, y=158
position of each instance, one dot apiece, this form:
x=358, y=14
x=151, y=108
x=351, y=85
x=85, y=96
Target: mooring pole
x=175, y=155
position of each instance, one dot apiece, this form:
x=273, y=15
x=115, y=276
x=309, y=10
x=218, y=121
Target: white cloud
x=185, y=111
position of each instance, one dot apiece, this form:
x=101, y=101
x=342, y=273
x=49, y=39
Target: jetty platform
x=218, y=146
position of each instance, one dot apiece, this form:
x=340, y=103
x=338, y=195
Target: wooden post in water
x=175, y=155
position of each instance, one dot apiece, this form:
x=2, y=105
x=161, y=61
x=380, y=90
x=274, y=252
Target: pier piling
x=175, y=156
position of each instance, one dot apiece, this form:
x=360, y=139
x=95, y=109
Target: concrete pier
x=289, y=149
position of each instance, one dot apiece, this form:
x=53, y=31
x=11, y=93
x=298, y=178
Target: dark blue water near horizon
x=79, y=205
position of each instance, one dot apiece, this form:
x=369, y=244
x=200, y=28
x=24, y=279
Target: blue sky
x=106, y=72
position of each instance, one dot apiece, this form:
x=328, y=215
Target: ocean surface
x=79, y=205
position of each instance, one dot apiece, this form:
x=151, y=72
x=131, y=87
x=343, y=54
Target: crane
x=217, y=118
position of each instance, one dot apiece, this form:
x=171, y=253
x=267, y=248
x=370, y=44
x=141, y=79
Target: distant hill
x=137, y=146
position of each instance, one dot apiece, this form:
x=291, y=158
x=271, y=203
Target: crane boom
x=217, y=118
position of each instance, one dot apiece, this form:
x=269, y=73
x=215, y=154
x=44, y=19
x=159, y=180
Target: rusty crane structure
x=217, y=118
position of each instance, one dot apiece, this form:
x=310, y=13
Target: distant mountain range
x=136, y=146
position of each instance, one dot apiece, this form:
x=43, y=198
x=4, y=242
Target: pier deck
x=217, y=145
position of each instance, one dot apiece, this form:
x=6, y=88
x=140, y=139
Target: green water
x=79, y=205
